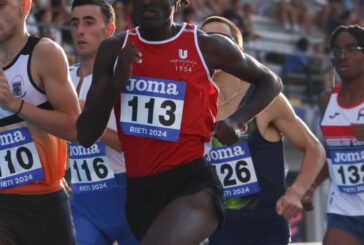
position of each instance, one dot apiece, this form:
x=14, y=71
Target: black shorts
x=37, y=219
x=148, y=196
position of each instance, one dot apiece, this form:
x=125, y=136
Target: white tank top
x=345, y=157
x=20, y=80
x=116, y=158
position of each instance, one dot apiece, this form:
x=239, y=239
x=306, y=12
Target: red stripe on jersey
x=337, y=131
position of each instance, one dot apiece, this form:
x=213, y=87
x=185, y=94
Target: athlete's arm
x=110, y=138
x=105, y=88
x=281, y=116
x=323, y=102
x=307, y=199
x=49, y=68
x=221, y=53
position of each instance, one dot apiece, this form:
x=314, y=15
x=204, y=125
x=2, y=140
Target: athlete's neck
x=86, y=67
x=352, y=92
x=229, y=85
x=161, y=33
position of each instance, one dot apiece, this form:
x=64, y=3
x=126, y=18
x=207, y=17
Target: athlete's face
x=347, y=57
x=11, y=17
x=88, y=29
x=153, y=13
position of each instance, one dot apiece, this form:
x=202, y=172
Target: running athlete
x=342, y=126
x=38, y=107
x=256, y=200
x=159, y=83
x=98, y=173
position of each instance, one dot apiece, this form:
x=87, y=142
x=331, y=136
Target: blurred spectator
x=298, y=61
x=289, y=15
x=248, y=29
x=235, y=13
x=201, y=9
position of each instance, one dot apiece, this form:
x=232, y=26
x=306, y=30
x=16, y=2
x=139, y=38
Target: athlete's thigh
x=335, y=236
x=57, y=227
x=87, y=233
x=188, y=219
x=7, y=237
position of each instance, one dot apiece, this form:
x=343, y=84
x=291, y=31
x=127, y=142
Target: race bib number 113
x=152, y=108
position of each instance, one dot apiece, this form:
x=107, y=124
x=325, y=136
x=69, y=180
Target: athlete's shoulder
x=47, y=46
x=110, y=45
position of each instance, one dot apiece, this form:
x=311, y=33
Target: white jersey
x=345, y=157
x=116, y=158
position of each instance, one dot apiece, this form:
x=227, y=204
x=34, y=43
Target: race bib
x=152, y=108
x=347, y=170
x=235, y=169
x=90, y=169
x=19, y=159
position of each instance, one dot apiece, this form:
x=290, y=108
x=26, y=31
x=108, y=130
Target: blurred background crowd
x=289, y=36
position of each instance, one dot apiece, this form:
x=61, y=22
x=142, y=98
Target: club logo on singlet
x=16, y=86
x=152, y=108
x=183, y=54
x=183, y=63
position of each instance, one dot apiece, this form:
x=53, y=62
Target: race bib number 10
x=152, y=108
x=235, y=169
x=19, y=159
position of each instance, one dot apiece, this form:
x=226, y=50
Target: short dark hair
x=355, y=30
x=106, y=9
x=235, y=31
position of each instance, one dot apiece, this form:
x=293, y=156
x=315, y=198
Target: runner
x=98, y=177
x=342, y=128
x=256, y=200
x=166, y=103
x=38, y=105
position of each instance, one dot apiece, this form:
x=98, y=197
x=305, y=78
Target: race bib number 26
x=235, y=169
x=152, y=108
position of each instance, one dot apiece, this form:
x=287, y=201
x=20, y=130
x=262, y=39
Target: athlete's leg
x=87, y=233
x=335, y=236
x=57, y=226
x=188, y=219
x=7, y=237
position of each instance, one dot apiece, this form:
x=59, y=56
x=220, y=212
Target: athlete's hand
x=289, y=205
x=7, y=100
x=127, y=57
x=307, y=199
x=66, y=187
x=225, y=132
x=358, y=131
